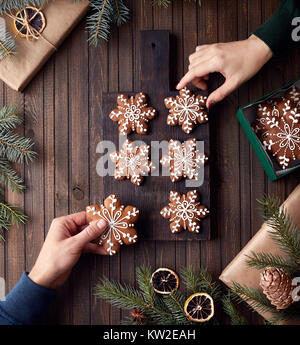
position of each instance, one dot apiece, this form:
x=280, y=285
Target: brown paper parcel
x=61, y=17
x=238, y=271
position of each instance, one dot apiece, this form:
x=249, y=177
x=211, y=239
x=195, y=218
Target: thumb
x=91, y=232
x=222, y=92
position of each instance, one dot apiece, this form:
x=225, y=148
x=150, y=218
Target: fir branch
x=143, y=277
x=124, y=296
x=162, y=3
x=208, y=285
x=190, y=279
x=120, y=12
x=285, y=233
x=256, y=299
x=175, y=303
x=98, y=23
x=10, y=215
x=7, y=43
x=9, y=5
x=119, y=295
x=16, y=148
x=9, y=118
x=263, y=260
x=10, y=177
x=231, y=310
x=166, y=3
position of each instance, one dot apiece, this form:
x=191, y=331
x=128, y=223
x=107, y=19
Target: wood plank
x=61, y=170
x=34, y=173
x=190, y=40
x=207, y=34
x=79, y=162
x=49, y=158
x=100, y=310
x=113, y=85
x=126, y=77
x=227, y=148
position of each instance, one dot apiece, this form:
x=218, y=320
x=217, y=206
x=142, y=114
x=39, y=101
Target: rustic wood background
x=62, y=112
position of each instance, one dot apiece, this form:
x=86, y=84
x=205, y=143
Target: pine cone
x=277, y=286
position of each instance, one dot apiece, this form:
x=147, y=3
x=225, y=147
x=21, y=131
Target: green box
x=246, y=116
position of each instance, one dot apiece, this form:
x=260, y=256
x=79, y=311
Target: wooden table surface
x=62, y=111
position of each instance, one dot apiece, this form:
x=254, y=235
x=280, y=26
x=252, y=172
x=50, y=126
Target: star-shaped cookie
x=183, y=160
x=132, y=113
x=184, y=212
x=132, y=162
x=120, y=223
x=186, y=110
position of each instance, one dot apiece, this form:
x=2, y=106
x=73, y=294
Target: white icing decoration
x=133, y=114
x=184, y=211
x=186, y=110
x=132, y=162
x=183, y=159
x=117, y=227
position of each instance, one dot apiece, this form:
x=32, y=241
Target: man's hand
x=67, y=239
x=236, y=61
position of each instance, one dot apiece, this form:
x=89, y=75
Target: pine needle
x=98, y=23
x=256, y=299
x=263, y=260
x=120, y=11
x=7, y=43
x=9, y=176
x=16, y=148
x=231, y=310
x=9, y=118
x=10, y=215
x=285, y=233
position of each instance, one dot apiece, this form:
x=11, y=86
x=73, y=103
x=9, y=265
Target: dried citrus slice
x=29, y=22
x=199, y=307
x=164, y=281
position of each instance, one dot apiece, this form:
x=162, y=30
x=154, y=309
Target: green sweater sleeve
x=276, y=32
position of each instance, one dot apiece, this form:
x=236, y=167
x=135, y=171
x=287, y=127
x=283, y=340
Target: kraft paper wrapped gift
x=238, y=271
x=61, y=17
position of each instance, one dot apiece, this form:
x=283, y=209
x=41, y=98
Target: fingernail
x=177, y=86
x=101, y=223
x=211, y=104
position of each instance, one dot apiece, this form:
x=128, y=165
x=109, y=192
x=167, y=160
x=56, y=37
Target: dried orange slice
x=164, y=281
x=199, y=307
x=29, y=22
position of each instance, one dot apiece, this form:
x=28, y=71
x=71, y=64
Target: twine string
x=25, y=21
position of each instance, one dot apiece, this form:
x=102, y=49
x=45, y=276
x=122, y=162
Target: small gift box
x=246, y=116
x=238, y=271
x=54, y=21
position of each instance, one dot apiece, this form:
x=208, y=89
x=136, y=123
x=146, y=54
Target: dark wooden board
x=153, y=194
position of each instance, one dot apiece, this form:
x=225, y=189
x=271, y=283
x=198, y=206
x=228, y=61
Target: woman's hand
x=236, y=61
x=67, y=239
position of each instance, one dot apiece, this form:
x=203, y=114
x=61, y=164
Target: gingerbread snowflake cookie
x=293, y=94
x=132, y=162
x=132, y=113
x=120, y=223
x=186, y=110
x=184, y=212
x=183, y=160
x=283, y=139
